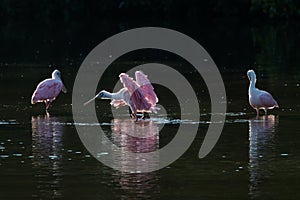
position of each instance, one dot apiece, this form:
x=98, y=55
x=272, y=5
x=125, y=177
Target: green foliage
x=65, y=9
x=276, y=8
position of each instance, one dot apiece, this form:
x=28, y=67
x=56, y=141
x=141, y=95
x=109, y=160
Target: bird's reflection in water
x=261, y=150
x=125, y=134
x=138, y=137
x=46, y=147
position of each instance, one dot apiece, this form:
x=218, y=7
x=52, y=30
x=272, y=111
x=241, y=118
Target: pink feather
x=137, y=98
x=118, y=103
x=267, y=100
x=146, y=87
x=47, y=90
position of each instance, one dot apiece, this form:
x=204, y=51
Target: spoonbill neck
x=252, y=83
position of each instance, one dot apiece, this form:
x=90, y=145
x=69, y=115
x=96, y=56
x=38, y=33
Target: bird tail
x=33, y=101
x=276, y=104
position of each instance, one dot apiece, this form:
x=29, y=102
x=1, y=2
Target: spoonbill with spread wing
x=139, y=95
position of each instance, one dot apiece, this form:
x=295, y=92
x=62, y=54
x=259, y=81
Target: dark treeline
x=68, y=9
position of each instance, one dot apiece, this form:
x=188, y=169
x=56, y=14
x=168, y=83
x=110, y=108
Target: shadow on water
x=262, y=131
x=47, y=158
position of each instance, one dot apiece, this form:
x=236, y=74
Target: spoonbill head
x=48, y=89
x=251, y=75
x=56, y=74
x=259, y=99
x=103, y=94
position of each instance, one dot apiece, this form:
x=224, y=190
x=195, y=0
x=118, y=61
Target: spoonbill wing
x=46, y=90
x=267, y=100
x=137, y=98
x=146, y=87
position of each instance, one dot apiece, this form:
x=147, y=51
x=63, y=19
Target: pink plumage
x=48, y=90
x=267, y=100
x=137, y=101
x=139, y=95
x=146, y=87
x=259, y=99
x=117, y=103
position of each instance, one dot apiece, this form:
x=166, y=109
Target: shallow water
x=42, y=156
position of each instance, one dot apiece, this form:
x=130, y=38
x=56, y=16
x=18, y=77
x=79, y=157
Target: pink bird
x=47, y=90
x=139, y=95
x=259, y=99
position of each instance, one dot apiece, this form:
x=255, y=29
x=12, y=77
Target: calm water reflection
x=262, y=131
x=127, y=134
x=137, y=137
x=47, y=158
x=132, y=137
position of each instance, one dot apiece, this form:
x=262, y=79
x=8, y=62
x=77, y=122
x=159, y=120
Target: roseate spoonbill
x=139, y=95
x=48, y=89
x=259, y=99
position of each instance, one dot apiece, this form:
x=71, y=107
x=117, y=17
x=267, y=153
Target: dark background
x=37, y=37
x=253, y=159
x=62, y=32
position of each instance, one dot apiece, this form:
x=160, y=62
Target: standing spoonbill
x=139, y=95
x=259, y=99
x=48, y=89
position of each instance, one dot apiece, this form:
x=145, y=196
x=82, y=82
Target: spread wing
x=46, y=90
x=137, y=99
x=146, y=87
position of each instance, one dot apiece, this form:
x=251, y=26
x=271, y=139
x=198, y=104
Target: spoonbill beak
x=89, y=101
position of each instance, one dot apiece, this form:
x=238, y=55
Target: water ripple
x=6, y=122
